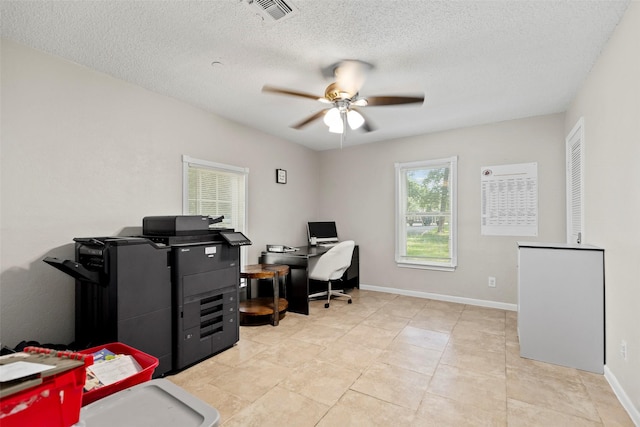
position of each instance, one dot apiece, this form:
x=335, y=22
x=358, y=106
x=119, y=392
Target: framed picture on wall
x=281, y=176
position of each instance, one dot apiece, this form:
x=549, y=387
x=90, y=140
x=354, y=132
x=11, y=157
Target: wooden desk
x=298, y=261
x=264, y=306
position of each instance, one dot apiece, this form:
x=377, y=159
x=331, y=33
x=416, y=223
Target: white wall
x=84, y=154
x=609, y=101
x=358, y=192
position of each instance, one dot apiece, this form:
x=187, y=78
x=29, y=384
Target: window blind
x=216, y=189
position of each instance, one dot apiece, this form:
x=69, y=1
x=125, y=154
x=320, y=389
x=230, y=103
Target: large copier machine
x=171, y=293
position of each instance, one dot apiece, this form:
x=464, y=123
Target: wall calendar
x=509, y=200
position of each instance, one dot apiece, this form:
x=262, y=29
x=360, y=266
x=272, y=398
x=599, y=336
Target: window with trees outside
x=426, y=214
x=215, y=189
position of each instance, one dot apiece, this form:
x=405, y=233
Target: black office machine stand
x=206, y=278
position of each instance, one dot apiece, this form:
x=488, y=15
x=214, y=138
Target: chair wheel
x=326, y=305
x=349, y=301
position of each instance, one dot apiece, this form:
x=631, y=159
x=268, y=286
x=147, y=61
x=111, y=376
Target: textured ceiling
x=475, y=61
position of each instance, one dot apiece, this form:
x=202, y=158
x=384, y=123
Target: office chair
x=330, y=267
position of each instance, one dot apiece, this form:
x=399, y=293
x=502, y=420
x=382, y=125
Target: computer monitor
x=323, y=231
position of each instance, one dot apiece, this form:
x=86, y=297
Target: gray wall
x=358, y=191
x=84, y=154
x=609, y=101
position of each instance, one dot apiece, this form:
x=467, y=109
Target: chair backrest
x=333, y=263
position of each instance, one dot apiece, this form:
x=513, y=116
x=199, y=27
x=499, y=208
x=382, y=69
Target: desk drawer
x=285, y=259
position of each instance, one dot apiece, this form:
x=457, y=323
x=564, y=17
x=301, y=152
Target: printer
x=171, y=292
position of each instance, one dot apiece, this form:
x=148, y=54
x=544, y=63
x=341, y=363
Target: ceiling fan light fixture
x=339, y=128
x=355, y=119
x=332, y=118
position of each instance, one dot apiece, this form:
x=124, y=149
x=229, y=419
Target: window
x=426, y=214
x=215, y=189
x=575, y=183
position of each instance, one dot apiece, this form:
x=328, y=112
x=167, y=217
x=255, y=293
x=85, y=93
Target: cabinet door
x=561, y=307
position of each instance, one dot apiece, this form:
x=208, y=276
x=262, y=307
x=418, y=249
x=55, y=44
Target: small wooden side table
x=264, y=306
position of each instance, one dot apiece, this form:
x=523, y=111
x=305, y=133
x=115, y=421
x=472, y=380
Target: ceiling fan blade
x=359, y=102
x=279, y=91
x=394, y=100
x=309, y=119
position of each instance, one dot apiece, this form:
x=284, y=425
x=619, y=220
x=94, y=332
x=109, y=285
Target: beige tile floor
x=395, y=361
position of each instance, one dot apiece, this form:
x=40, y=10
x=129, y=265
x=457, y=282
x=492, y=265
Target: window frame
x=187, y=161
x=401, y=202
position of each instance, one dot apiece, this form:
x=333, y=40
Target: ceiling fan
x=343, y=97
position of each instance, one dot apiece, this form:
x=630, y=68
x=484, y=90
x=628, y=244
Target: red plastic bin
x=55, y=401
x=147, y=362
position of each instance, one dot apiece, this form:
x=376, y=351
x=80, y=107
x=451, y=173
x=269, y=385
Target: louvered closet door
x=575, y=183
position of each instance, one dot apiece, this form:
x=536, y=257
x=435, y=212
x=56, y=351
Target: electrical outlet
x=492, y=282
x=623, y=350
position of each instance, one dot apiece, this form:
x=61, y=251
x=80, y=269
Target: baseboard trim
x=441, y=297
x=622, y=396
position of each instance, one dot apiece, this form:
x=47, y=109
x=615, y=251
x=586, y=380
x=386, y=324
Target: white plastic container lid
x=155, y=403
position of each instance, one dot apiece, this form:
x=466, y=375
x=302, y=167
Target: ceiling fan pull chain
x=343, y=135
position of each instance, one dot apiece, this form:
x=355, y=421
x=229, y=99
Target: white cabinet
x=561, y=304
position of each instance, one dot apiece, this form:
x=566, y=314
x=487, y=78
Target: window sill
x=426, y=266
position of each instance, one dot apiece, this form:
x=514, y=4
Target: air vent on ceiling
x=272, y=9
